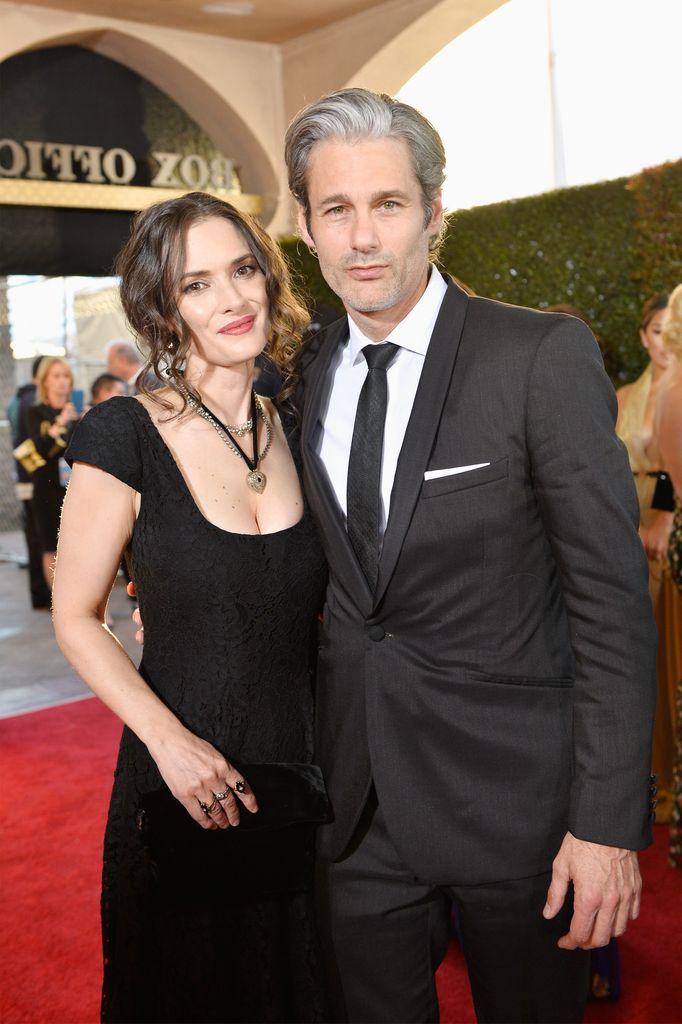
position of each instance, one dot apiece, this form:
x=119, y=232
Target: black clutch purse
x=269, y=852
x=663, y=498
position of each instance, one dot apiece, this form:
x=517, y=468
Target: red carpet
x=56, y=775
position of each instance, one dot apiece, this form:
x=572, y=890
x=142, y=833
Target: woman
x=50, y=424
x=198, y=483
x=636, y=427
x=669, y=430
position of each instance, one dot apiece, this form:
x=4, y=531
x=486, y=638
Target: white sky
x=618, y=85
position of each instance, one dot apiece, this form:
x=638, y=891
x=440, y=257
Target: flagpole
x=557, y=138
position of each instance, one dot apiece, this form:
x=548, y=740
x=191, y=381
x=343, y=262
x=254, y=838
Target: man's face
x=367, y=224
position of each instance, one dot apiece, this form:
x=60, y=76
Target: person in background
x=106, y=386
x=124, y=361
x=50, y=425
x=668, y=424
x=636, y=427
x=17, y=414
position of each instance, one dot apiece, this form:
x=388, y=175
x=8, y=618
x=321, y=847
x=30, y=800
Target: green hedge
x=603, y=248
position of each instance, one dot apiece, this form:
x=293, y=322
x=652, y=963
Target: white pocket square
x=433, y=474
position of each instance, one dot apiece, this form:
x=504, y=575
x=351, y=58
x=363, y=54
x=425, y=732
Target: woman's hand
x=68, y=414
x=197, y=774
x=136, y=617
x=655, y=536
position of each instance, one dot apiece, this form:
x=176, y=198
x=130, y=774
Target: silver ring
x=240, y=786
x=223, y=796
x=203, y=806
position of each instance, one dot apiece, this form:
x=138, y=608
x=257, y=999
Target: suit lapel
x=420, y=435
x=319, y=491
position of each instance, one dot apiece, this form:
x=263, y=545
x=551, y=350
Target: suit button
x=376, y=633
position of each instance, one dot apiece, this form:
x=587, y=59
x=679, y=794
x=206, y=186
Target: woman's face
x=58, y=384
x=222, y=296
x=651, y=339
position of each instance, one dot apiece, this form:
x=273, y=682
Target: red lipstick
x=241, y=326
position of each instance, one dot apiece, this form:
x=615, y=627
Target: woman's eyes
x=194, y=286
x=243, y=271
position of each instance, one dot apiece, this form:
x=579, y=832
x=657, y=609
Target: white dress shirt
x=349, y=369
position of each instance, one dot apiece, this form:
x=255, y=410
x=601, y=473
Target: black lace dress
x=229, y=641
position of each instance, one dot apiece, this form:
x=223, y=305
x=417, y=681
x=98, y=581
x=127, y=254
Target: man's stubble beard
x=392, y=288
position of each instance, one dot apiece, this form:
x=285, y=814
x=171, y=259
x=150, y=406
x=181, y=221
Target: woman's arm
x=656, y=535
x=97, y=522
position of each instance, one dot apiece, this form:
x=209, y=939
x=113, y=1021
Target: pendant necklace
x=229, y=432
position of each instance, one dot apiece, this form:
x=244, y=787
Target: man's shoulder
x=502, y=324
x=520, y=317
x=320, y=343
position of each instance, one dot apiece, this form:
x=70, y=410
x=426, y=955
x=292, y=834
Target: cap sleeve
x=108, y=437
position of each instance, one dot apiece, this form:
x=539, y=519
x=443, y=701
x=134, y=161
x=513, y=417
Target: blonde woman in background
x=637, y=403
x=50, y=425
x=668, y=422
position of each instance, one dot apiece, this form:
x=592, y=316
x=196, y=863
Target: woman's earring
x=313, y=250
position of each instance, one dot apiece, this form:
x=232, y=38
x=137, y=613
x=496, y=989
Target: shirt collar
x=414, y=331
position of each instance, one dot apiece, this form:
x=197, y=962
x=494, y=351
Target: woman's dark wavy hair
x=150, y=266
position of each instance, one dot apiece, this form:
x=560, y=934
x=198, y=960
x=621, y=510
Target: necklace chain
x=239, y=429
x=255, y=478
x=223, y=430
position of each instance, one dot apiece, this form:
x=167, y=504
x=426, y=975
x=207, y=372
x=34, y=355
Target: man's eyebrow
x=205, y=273
x=341, y=198
x=338, y=198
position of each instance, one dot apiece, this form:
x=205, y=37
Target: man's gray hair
x=354, y=114
x=123, y=347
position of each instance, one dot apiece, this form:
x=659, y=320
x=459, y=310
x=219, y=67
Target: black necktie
x=363, y=495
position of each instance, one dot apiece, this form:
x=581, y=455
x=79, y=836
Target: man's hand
x=607, y=888
x=136, y=617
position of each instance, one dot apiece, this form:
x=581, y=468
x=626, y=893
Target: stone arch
x=407, y=51
x=211, y=111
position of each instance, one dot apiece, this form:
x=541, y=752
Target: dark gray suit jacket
x=499, y=686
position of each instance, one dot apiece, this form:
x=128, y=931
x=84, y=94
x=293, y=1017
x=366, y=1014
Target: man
x=486, y=669
x=107, y=385
x=124, y=361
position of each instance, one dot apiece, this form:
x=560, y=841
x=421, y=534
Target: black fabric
x=230, y=623
x=39, y=590
x=498, y=685
x=291, y=798
x=387, y=931
x=663, y=497
x=364, y=464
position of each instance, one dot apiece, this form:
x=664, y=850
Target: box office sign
x=65, y=162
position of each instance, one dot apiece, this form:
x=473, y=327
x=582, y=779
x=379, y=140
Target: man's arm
x=590, y=513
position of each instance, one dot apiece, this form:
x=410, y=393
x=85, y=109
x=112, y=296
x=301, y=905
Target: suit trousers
x=385, y=931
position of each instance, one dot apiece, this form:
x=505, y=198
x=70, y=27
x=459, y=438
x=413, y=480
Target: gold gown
x=665, y=596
